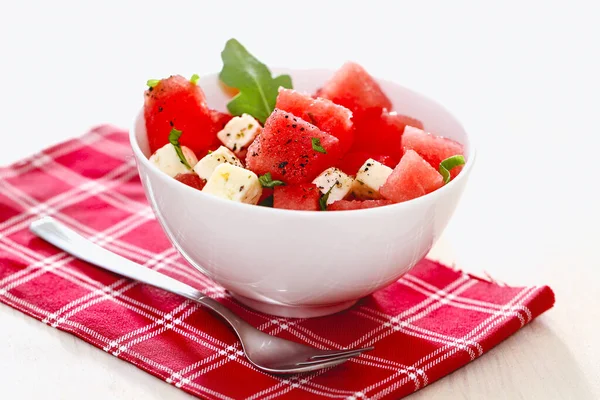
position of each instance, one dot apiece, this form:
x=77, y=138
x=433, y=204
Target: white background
x=522, y=76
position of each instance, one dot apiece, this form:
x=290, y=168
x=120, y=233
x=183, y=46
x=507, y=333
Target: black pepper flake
x=366, y=169
x=287, y=116
x=302, y=129
x=283, y=164
x=289, y=141
x=234, y=146
x=294, y=125
x=229, y=134
x=241, y=188
x=171, y=123
x=369, y=164
x=302, y=165
x=254, y=154
x=160, y=109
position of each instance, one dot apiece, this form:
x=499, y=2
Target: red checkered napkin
x=429, y=323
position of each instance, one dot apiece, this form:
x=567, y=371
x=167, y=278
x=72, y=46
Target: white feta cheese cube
x=167, y=160
x=239, y=132
x=336, y=180
x=205, y=167
x=369, y=179
x=234, y=183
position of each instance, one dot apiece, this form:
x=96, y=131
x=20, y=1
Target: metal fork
x=266, y=352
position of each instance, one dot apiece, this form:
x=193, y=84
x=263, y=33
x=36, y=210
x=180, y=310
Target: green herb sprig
x=267, y=181
x=449, y=163
x=325, y=197
x=174, y=136
x=316, y=145
x=258, y=89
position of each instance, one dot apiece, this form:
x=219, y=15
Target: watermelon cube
x=434, y=149
x=342, y=205
x=191, y=180
x=413, y=177
x=352, y=162
x=219, y=119
x=324, y=114
x=382, y=134
x=304, y=196
x=285, y=149
x=266, y=193
x=176, y=102
x=352, y=87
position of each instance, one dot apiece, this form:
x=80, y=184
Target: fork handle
x=73, y=243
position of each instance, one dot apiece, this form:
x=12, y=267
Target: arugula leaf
x=325, y=197
x=194, y=79
x=174, y=140
x=267, y=181
x=152, y=82
x=449, y=163
x=316, y=145
x=267, y=202
x=258, y=89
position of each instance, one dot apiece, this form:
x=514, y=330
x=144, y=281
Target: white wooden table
x=523, y=77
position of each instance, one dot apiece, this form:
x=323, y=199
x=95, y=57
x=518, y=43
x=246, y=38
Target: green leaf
x=267, y=181
x=325, y=197
x=174, y=136
x=267, y=202
x=258, y=89
x=194, y=79
x=316, y=145
x=448, y=164
x=152, y=82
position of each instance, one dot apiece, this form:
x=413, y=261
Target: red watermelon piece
x=413, y=177
x=191, y=180
x=266, y=192
x=434, y=149
x=284, y=148
x=304, y=196
x=352, y=87
x=176, y=102
x=342, y=205
x=351, y=162
x=219, y=120
x=382, y=134
x=324, y=114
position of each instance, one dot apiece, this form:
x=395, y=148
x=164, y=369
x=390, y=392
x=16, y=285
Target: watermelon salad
x=341, y=148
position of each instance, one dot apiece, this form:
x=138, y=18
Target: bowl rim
x=433, y=196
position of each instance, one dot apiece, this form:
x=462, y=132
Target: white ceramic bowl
x=303, y=263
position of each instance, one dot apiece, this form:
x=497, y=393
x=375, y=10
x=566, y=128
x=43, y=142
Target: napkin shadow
x=533, y=363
